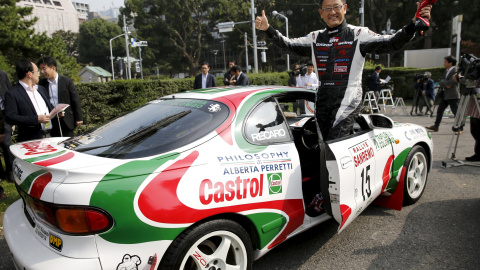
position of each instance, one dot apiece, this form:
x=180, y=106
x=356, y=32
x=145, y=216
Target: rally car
x=206, y=179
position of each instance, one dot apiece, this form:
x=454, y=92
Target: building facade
x=83, y=9
x=53, y=15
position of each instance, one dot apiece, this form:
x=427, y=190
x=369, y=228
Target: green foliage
x=12, y=196
x=70, y=39
x=94, y=42
x=18, y=40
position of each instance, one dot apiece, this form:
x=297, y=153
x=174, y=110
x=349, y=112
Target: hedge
x=104, y=101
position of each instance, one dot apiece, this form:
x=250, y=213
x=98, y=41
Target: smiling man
x=338, y=53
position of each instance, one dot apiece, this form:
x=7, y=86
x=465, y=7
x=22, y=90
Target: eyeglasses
x=336, y=8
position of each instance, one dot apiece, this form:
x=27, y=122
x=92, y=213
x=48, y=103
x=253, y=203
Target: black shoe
x=473, y=158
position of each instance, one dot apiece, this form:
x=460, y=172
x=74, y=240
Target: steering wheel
x=310, y=134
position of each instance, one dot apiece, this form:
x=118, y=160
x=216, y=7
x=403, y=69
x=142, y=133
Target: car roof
x=226, y=91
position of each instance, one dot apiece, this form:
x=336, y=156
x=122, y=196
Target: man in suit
x=449, y=94
x=5, y=128
x=27, y=105
x=375, y=81
x=228, y=75
x=60, y=89
x=238, y=77
x=204, y=80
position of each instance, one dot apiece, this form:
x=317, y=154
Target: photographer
x=426, y=92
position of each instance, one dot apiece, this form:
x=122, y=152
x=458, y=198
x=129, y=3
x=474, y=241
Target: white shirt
x=311, y=79
x=38, y=102
x=300, y=81
x=448, y=71
x=204, y=80
x=53, y=91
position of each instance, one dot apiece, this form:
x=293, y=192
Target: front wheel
x=216, y=245
x=415, y=175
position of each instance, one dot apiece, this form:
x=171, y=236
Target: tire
x=416, y=175
x=210, y=245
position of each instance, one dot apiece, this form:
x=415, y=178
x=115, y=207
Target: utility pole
x=255, y=56
x=125, y=29
x=246, y=53
x=362, y=13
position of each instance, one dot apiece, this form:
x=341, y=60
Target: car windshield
x=157, y=127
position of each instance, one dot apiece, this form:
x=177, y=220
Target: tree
x=70, y=39
x=178, y=25
x=18, y=40
x=94, y=42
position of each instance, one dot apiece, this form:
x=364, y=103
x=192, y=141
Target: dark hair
x=235, y=68
x=378, y=68
x=23, y=67
x=204, y=63
x=309, y=63
x=321, y=2
x=231, y=61
x=49, y=61
x=451, y=59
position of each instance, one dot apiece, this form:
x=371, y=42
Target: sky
x=100, y=5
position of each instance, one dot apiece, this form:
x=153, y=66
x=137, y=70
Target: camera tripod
x=467, y=95
x=418, y=93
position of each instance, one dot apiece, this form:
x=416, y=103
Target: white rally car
x=207, y=179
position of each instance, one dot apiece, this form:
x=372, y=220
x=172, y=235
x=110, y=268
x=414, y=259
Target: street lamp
x=111, y=55
x=275, y=13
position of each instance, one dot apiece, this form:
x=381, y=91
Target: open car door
x=356, y=167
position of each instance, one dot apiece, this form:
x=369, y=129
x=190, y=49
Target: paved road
x=441, y=231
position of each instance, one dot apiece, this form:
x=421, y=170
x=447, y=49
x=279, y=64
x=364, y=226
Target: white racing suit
x=338, y=55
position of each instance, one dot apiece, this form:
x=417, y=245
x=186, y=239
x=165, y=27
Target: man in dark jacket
x=5, y=128
x=238, y=77
x=375, y=82
x=449, y=94
x=60, y=89
x=27, y=105
x=228, y=74
x=204, y=79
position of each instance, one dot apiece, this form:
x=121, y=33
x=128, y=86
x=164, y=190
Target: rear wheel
x=214, y=245
x=415, y=176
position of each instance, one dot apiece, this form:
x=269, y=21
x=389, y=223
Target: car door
x=351, y=164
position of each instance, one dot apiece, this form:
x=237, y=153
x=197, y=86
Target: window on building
x=56, y=3
x=37, y=1
x=47, y=2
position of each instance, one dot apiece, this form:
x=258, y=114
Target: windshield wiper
x=151, y=129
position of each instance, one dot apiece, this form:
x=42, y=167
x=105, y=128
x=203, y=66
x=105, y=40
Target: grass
x=12, y=195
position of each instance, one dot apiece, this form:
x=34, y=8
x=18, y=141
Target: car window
x=158, y=127
x=266, y=124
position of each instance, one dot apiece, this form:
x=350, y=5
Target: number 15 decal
x=366, y=183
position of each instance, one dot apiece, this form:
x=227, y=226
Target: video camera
x=302, y=70
x=469, y=67
x=419, y=76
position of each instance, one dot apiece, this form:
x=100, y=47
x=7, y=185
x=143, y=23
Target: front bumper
x=28, y=253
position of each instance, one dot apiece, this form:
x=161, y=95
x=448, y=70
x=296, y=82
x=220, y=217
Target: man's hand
x=261, y=23
x=423, y=93
x=2, y=136
x=43, y=118
x=78, y=123
x=425, y=12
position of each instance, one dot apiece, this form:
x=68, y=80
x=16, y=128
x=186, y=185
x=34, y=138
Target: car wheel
x=216, y=245
x=415, y=176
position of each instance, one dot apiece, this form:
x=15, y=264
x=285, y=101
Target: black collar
x=338, y=29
